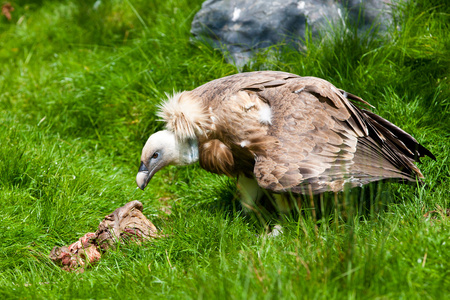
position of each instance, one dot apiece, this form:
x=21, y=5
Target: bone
x=127, y=223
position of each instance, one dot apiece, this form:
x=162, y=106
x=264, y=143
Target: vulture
x=280, y=134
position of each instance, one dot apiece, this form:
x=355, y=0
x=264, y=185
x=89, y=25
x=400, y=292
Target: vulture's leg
x=283, y=203
x=255, y=200
x=250, y=193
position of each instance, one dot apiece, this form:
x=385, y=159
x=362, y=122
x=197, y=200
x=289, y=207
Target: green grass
x=78, y=91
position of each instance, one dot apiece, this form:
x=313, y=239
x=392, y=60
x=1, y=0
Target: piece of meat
x=125, y=223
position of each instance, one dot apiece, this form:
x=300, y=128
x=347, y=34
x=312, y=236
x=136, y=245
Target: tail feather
x=403, y=140
x=388, y=151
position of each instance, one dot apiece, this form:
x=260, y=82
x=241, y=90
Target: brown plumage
x=290, y=133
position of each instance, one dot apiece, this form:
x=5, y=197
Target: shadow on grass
x=357, y=204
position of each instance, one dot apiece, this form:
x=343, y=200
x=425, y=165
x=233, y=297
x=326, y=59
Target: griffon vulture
x=279, y=133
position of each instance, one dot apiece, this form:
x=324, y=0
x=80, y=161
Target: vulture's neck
x=188, y=150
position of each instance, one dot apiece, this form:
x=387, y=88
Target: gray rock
x=239, y=27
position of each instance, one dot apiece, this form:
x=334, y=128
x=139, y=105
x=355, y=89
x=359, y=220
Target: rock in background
x=238, y=27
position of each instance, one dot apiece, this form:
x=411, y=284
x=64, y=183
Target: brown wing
x=325, y=142
x=316, y=137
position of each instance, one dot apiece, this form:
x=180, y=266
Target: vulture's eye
x=155, y=155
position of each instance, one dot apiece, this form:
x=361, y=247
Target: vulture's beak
x=143, y=176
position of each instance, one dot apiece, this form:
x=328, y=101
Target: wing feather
x=326, y=142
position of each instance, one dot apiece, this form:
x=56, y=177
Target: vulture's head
x=163, y=148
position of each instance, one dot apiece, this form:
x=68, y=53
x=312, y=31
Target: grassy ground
x=78, y=90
